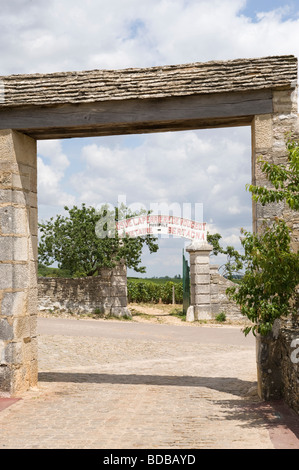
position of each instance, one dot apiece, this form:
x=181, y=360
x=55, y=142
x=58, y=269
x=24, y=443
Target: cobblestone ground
x=105, y=393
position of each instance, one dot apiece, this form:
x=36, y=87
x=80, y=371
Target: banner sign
x=162, y=225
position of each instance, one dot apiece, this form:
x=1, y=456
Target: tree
x=284, y=179
x=235, y=260
x=73, y=243
x=268, y=290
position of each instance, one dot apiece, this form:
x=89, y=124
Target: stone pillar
x=18, y=263
x=200, y=302
x=118, y=292
x=269, y=141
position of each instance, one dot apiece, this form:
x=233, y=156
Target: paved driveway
x=123, y=385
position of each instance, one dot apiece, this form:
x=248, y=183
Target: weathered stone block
x=199, y=259
x=21, y=182
x=5, y=179
x=6, y=378
x=285, y=101
x=13, y=353
x=200, y=278
x=7, y=153
x=24, y=148
x=13, y=197
x=202, y=312
x=119, y=302
x=202, y=299
x=120, y=312
x=13, y=304
x=214, y=289
x=20, y=276
x=29, y=350
x=33, y=326
x=202, y=288
x=32, y=271
x=6, y=330
x=33, y=248
x=13, y=220
x=201, y=269
x=33, y=222
x=21, y=328
x=2, y=352
x=263, y=132
x=5, y=276
x=14, y=249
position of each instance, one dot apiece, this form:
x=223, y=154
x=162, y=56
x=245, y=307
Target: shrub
x=221, y=317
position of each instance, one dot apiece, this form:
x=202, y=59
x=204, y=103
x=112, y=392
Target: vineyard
x=155, y=290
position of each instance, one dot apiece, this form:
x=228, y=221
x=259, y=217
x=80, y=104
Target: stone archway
x=261, y=93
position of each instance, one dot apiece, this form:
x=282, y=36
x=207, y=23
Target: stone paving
x=109, y=393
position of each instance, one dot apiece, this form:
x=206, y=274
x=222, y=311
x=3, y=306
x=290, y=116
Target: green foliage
x=153, y=292
x=267, y=289
x=235, y=260
x=72, y=241
x=221, y=317
x=283, y=177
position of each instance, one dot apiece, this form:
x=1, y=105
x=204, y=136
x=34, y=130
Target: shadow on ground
x=231, y=385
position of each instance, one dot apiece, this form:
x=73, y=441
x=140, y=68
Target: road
x=126, y=385
x=145, y=331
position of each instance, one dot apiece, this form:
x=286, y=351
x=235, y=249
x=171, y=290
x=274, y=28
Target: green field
x=156, y=280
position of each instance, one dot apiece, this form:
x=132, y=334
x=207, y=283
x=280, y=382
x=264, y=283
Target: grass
x=178, y=312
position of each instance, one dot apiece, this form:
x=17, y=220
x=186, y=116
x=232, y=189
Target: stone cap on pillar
x=198, y=246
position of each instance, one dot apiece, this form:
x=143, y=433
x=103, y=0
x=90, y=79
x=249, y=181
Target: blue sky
x=208, y=167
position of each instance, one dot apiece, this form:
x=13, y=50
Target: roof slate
x=154, y=82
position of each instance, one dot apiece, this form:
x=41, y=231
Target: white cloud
x=211, y=167
x=51, y=166
x=71, y=35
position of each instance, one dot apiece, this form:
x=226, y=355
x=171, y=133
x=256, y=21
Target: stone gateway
x=261, y=93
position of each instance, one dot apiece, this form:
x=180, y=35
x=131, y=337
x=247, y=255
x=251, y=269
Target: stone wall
x=277, y=363
x=277, y=354
x=289, y=359
x=106, y=293
x=219, y=300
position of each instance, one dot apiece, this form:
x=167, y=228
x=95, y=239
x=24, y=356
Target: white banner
x=162, y=225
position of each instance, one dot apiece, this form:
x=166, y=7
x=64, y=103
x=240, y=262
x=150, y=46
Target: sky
x=206, y=168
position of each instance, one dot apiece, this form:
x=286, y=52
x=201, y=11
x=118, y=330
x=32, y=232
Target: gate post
x=200, y=305
x=269, y=133
x=18, y=263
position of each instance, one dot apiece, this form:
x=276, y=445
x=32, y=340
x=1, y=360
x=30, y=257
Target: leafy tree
x=73, y=243
x=235, y=260
x=271, y=275
x=283, y=177
x=268, y=290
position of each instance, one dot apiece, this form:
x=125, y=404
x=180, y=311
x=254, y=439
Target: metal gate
x=186, y=284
